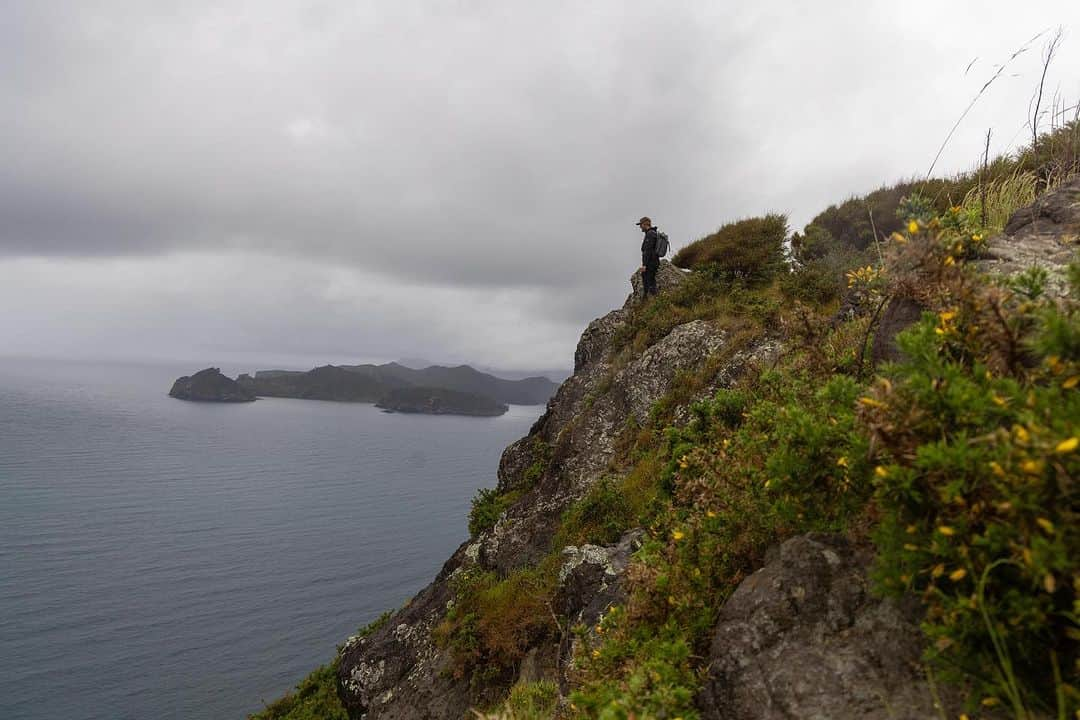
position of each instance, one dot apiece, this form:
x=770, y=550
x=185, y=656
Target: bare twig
x=873, y=228
x=982, y=179
x=866, y=337
x=554, y=618
x=1001, y=68
x=1048, y=55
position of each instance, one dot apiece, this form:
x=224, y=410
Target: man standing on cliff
x=650, y=256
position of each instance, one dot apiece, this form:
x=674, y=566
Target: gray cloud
x=464, y=150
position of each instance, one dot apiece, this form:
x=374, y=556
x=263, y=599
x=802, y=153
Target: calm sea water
x=162, y=559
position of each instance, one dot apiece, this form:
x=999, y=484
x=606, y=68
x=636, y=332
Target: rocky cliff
x=400, y=671
x=803, y=636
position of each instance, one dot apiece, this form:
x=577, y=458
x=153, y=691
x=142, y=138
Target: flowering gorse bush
x=978, y=436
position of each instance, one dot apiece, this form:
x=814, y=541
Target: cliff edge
x=401, y=670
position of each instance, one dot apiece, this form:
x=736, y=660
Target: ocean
x=164, y=559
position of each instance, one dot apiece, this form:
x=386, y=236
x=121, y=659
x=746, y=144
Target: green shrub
x=488, y=505
x=600, y=517
x=815, y=243
x=315, y=698
x=728, y=406
x=980, y=514
x=374, y=625
x=751, y=249
x=656, y=678
x=848, y=226
x=528, y=701
x=494, y=620
x=816, y=282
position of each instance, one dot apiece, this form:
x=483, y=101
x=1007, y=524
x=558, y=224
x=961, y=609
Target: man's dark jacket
x=649, y=257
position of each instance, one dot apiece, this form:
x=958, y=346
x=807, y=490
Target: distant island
x=438, y=390
x=210, y=385
x=440, y=401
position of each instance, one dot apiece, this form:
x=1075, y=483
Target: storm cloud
x=457, y=180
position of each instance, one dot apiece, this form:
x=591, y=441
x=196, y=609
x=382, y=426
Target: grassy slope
x=788, y=451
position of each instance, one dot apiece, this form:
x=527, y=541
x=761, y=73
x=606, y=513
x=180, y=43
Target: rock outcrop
x=210, y=385
x=399, y=671
x=1045, y=234
x=804, y=638
x=667, y=277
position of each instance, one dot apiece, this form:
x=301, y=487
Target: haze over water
x=163, y=559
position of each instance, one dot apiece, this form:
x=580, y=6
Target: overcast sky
x=264, y=182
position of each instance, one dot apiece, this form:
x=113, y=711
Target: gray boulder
x=1045, y=234
x=668, y=277
x=804, y=638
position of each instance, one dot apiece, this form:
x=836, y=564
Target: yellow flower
x=938, y=570
x=946, y=530
x=910, y=548
x=911, y=529
x=1031, y=467
x=958, y=574
x=1045, y=524
x=678, y=535
x=1067, y=446
x=881, y=471
x=842, y=461
x=913, y=227
x=1021, y=433
x=1070, y=383
x=996, y=468
x=947, y=315
x=599, y=630
x=949, y=260
x=596, y=653
x=998, y=400
x=989, y=701
x=710, y=513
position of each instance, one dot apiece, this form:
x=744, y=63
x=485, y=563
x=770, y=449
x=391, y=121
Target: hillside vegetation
x=957, y=464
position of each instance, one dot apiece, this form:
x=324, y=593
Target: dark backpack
x=662, y=244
